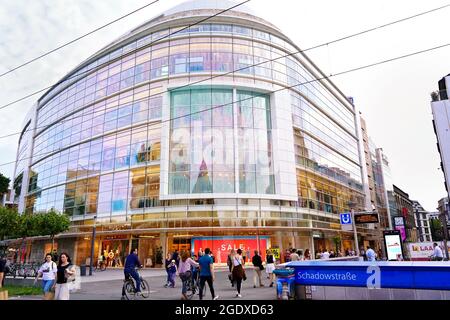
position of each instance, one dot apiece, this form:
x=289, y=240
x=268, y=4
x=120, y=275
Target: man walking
x=258, y=266
x=437, y=253
x=207, y=273
x=294, y=255
x=370, y=254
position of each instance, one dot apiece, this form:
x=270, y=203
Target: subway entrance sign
x=370, y=217
x=429, y=275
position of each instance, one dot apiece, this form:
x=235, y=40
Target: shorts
x=270, y=267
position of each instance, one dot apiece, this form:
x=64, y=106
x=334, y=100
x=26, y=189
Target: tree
x=4, y=183
x=436, y=230
x=51, y=223
x=28, y=226
x=9, y=219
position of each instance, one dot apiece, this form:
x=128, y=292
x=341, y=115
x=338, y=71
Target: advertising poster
x=399, y=223
x=393, y=246
x=421, y=251
x=221, y=246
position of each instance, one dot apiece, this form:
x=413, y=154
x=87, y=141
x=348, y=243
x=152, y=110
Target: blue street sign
x=346, y=218
x=401, y=275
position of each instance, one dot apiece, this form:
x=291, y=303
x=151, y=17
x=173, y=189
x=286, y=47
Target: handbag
x=261, y=267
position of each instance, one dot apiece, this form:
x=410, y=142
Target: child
x=172, y=271
x=167, y=263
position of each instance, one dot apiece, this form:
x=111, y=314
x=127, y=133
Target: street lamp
x=355, y=233
x=92, y=247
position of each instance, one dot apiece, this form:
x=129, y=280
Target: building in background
x=141, y=141
x=440, y=107
x=422, y=224
x=404, y=215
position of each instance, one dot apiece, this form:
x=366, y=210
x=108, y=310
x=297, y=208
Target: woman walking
x=65, y=270
x=237, y=271
x=270, y=266
x=307, y=254
x=185, y=272
x=48, y=272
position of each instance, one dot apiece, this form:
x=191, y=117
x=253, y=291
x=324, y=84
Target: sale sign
x=221, y=246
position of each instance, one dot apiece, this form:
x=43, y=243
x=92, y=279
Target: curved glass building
x=178, y=137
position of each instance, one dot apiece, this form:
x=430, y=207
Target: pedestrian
x=300, y=255
x=185, y=272
x=48, y=272
x=270, y=266
x=207, y=274
x=325, y=255
x=176, y=257
x=307, y=254
x=370, y=254
x=172, y=272
x=247, y=254
x=294, y=256
x=55, y=257
x=437, y=253
x=230, y=265
x=65, y=270
x=167, y=262
x=258, y=266
x=2, y=269
x=238, y=271
x=380, y=254
x=332, y=255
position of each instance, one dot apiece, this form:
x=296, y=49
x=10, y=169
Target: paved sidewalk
x=107, y=285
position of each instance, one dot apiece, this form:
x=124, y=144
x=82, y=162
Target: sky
x=394, y=98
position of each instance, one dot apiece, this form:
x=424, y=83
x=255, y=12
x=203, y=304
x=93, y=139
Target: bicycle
x=100, y=266
x=129, y=287
x=192, y=285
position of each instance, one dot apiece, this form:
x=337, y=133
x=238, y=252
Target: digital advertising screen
x=393, y=244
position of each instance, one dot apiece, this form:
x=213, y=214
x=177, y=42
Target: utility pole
x=355, y=233
x=92, y=246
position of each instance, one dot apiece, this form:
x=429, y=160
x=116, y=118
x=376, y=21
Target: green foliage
x=337, y=242
x=9, y=219
x=22, y=290
x=4, y=183
x=28, y=225
x=52, y=223
x=436, y=230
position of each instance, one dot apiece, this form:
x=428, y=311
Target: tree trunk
x=53, y=243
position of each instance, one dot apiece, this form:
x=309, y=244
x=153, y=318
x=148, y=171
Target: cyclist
x=185, y=272
x=131, y=263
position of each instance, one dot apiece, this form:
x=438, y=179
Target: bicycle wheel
x=145, y=289
x=129, y=289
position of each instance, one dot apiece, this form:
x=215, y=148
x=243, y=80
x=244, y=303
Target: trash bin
x=82, y=270
x=285, y=283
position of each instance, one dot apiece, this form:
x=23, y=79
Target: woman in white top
x=48, y=272
x=237, y=270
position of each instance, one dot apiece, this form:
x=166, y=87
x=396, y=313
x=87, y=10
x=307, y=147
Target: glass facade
x=100, y=145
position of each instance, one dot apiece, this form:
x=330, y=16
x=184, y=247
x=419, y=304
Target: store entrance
x=180, y=244
x=114, y=252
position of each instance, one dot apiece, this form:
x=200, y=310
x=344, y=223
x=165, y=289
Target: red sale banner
x=220, y=247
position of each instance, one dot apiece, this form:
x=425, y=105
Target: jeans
x=208, y=279
x=172, y=279
x=47, y=285
x=135, y=276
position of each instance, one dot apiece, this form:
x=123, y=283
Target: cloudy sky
x=394, y=98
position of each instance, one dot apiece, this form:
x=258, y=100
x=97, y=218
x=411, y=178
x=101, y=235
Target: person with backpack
x=48, y=272
x=258, y=265
x=237, y=271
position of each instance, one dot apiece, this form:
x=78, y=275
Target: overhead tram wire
x=257, y=64
x=76, y=39
x=271, y=92
x=131, y=52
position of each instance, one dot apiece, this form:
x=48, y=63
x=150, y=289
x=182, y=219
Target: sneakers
x=166, y=285
x=238, y=295
x=216, y=297
x=271, y=284
x=254, y=286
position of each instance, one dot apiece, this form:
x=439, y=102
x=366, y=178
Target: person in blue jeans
x=48, y=272
x=131, y=262
x=207, y=273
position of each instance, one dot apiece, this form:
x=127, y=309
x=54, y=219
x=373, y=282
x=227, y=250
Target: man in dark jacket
x=258, y=266
x=131, y=262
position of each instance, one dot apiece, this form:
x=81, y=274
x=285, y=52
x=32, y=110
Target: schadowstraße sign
x=369, y=217
x=402, y=275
